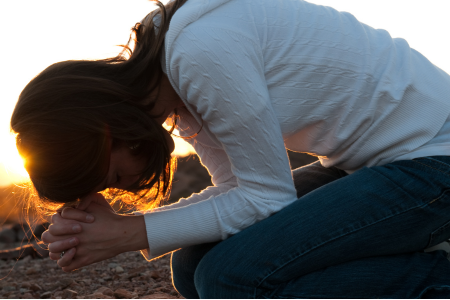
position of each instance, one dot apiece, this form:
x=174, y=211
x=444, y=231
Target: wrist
x=133, y=233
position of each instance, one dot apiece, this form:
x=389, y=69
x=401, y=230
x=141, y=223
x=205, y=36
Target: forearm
x=133, y=234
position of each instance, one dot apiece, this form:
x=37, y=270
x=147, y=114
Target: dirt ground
x=126, y=276
x=27, y=273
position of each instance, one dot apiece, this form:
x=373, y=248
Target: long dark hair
x=70, y=115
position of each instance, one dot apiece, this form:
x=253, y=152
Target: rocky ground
x=27, y=272
x=126, y=276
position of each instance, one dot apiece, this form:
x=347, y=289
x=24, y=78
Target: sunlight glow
x=12, y=169
x=182, y=148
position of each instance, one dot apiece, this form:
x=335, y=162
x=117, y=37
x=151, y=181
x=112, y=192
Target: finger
x=56, y=217
x=54, y=256
x=48, y=238
x=69, y=204
x=59, y=227
x=85, y=202
x=96, y=198
x=77, y=263
x=76, y=214
x=64, y=229
x=59, y=246
x=67, y=258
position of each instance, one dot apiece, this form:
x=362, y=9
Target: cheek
x=135, y=167
x=128, y=181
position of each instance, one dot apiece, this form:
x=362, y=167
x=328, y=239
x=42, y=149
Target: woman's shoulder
x=188, y=14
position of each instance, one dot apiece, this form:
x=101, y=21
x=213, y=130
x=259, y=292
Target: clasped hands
x=92, y=232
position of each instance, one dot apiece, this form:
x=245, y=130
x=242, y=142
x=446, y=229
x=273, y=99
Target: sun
x=12, y=168
x=15, y=165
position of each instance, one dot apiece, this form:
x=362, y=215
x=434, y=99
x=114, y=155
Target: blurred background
x=35, y=34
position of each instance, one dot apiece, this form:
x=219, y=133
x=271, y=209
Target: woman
x=247, y=81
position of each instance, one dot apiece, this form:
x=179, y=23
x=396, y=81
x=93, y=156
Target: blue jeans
x=347, y=236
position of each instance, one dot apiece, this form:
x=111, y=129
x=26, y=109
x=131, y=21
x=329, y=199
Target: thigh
x=184, y=262
x=405, y=276
x=384, y=210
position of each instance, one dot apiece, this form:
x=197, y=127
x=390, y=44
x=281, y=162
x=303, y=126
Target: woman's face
x=125, y=168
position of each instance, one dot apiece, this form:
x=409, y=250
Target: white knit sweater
x=265, y=75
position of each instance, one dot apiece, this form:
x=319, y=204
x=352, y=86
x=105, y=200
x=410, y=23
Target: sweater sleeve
x=220, y=75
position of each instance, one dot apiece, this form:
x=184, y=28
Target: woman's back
x=339, y=89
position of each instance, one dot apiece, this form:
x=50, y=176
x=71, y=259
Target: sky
x=35, y=34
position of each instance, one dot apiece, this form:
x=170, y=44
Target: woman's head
x=72, y=116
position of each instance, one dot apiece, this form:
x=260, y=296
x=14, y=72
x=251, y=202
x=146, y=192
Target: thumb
x=92, y=198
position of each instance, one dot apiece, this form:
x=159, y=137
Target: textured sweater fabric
x=261, y=76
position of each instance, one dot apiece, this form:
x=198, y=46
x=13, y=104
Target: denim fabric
x=347, y=236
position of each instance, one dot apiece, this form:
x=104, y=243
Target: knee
x=183, y=274
x=208, y=277
x=184, y=263
x=220, y=275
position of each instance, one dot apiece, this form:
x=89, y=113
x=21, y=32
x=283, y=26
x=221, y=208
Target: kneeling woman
x=246, y=81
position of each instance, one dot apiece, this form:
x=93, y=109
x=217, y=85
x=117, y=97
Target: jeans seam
x=438, y=161
x=348, y=233
x=434, y=200
x=433, y=167
x=440, y=196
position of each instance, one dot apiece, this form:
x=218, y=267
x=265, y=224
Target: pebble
x=100, y=296
x=87, y=281
x=155, y=274
x=119, y=269
x=123, y=294
x=105, y=291
x=136, y=272
x=31, y=271
x=65, y=282
x=23, y=291
x=57, y=294
x=9, y=288
x=27, y=296
x=69, y=294
x=157, y=296
x=112, y=265
x=35, y=287
x=46, y=295
x=162, y=290
x=25, y=285
x=74, y=284
x=13, y=296
x=139, y=270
